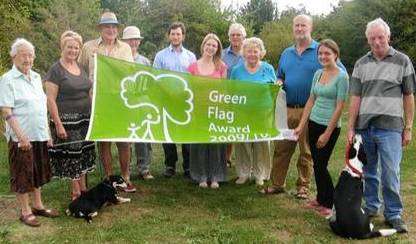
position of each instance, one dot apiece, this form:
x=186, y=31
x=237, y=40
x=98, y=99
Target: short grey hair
x=237, y=27
x=304, y=16
x=254, y=42
x=375, y=23
x=20, y=43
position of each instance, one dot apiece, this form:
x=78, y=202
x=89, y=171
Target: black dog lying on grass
x=348, y=219
x=87, y=205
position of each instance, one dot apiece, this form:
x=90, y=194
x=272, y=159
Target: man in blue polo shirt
x=175, y=58
x=297, y=65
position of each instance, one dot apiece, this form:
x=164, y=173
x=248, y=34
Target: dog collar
x=347, y=162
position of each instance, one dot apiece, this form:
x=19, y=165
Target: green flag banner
x=137, y=103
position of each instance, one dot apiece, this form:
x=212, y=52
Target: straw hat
x=131, y=32
x=108, y=18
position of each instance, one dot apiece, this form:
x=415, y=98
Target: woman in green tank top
x=322, y=116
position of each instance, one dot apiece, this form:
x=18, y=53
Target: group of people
x=315, y=81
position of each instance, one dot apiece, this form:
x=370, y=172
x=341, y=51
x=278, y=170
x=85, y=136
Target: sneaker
x=312, y=204
x=203, y=184
x=146, y=176
x=397, y=224
x=215, y=185
x=324, y=212
x=130, y=188
x=169, y=172
x=241, y=180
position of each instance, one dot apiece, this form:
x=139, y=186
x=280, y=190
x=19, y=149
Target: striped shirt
x=381, y=85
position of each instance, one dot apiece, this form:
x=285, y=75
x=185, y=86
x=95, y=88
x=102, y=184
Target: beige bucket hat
x=131, y=32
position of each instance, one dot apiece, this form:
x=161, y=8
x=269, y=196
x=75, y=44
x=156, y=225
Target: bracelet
x=9, y=117
x=408, y=128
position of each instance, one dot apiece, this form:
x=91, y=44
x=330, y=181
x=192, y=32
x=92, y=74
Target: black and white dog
x=349, y=220
x=87, y=205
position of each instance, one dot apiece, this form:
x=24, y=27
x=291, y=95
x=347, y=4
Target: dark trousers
x=171, y=156
x=320, y=157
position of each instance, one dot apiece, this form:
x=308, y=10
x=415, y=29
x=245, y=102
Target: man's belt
x=295, y=106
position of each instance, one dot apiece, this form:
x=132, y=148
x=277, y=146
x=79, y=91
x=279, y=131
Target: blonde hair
x=253, y=42
x=69, y=36
x=217, y=57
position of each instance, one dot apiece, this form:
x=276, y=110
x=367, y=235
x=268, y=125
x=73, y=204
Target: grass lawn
x=177, y=211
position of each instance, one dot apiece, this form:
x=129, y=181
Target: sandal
x=302, y=194
x=272, y=190
x=49, y=213
x=29, y=220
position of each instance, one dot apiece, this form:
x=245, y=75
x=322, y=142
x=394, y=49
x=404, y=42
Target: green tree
x=402, y=20
x=56, y=17
x=199, y=16
x=258, y=12
x=127, y=11
x=276, y=35
x=347, y=22
x=14, y=19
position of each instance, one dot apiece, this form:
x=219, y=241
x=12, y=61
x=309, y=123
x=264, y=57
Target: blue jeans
x=144, y=156
x=384, y=147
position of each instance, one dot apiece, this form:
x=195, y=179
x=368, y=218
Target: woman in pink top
x=207, y=161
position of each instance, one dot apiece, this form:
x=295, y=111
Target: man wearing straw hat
x=132, y=36
x=109, y=45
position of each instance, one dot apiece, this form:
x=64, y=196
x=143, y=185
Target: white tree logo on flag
x=140, y=92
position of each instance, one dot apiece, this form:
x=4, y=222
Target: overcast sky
x=313, y=6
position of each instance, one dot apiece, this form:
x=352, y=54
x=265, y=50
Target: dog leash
x=347, y=161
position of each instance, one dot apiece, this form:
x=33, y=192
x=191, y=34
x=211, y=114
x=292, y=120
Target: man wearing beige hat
x=108, y=44
x=131, y=35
